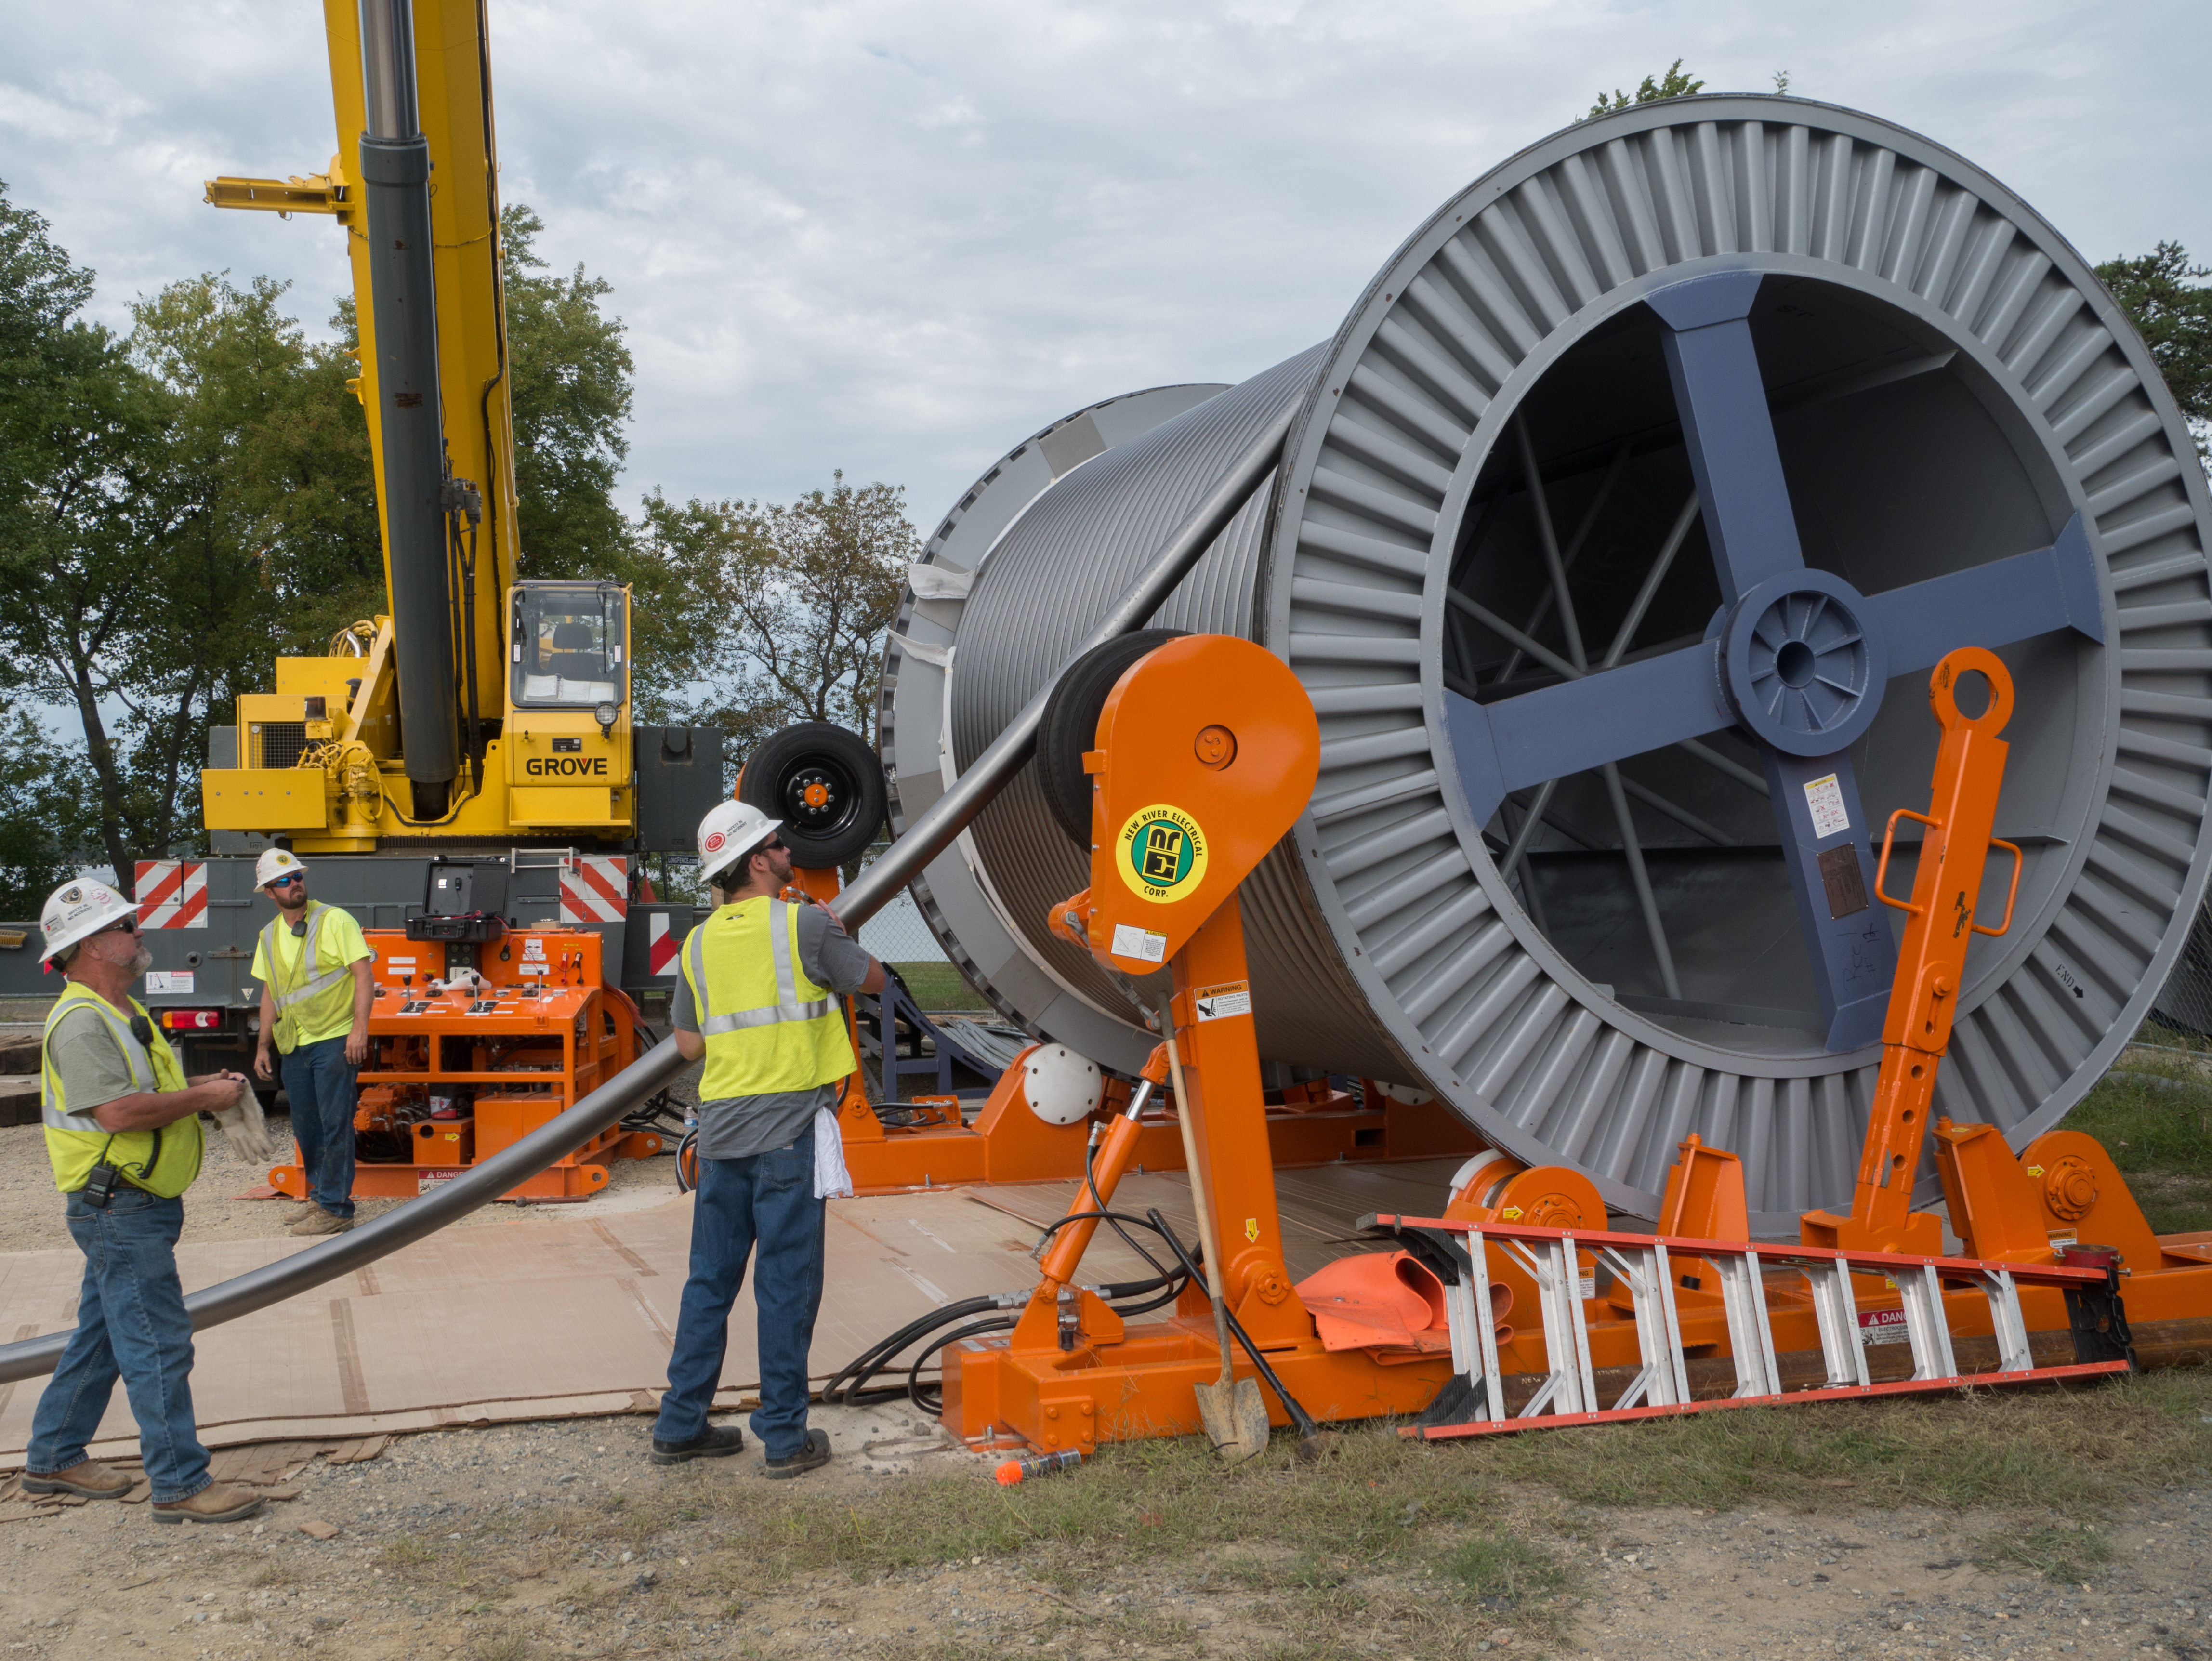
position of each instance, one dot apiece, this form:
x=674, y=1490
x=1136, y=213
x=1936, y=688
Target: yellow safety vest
x=162, y=1161
x=313, y=999
x=768, y=1028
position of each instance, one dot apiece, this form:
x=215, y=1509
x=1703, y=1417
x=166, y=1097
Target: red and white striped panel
x=172, y=894
x=595, y=888
x=661, y=946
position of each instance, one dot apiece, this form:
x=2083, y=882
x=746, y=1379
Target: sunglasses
x=286, y=882
x=127, y=926
x=777, y=846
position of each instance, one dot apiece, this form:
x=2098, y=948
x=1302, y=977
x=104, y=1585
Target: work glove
x=244, y=1129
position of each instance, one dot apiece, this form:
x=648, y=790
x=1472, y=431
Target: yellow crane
x=481, y=710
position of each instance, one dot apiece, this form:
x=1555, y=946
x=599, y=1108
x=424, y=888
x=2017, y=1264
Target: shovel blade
x=1235, y=1418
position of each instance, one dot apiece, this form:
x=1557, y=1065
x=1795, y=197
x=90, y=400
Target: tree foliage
x=45, y=790
x=1673, y=84
x=2172, y=307
x=182, y=504
x=788, y=605
x=569, y=386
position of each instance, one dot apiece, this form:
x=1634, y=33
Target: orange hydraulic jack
x=2059, y=1202
x=1207, y=753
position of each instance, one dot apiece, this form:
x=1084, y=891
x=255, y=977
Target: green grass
x=938, y=986
x=2158, y=1129
x=2081, y=1451
x=2063, y=1553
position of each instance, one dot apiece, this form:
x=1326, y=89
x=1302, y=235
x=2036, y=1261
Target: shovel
x=1230, y=1408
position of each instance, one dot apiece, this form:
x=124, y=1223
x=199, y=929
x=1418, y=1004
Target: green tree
x=81, y=437
x=1673, y=84
x=788, y=606
x=45, y=833
x=2172, y=307
x=570, y=390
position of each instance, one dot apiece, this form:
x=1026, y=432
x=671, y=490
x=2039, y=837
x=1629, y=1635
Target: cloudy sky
x=897, y=239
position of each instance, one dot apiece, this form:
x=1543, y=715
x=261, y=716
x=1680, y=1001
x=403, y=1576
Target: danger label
x=1824, y=800
x=1161, y=853
x=1219, y=1003
x=1142, y=944
x=1883, y=1326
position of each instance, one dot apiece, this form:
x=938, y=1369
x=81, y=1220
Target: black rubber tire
x=778, y=774
x=1070, y=729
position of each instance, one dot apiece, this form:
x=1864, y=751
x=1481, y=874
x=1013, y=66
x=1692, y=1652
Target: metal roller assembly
x=1617, y=531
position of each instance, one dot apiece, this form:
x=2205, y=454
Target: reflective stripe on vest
x=163, y=1162
x=782, y=930
x=767, y=1028
x=290, y=1018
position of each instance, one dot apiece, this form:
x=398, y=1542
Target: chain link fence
x=2184, y=1005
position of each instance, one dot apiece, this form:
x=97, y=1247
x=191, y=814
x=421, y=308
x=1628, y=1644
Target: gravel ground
x=560, y=1539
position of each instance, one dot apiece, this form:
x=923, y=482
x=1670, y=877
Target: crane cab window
x=565, y=647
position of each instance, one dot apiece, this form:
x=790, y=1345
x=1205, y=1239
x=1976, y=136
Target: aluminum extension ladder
x=1568, y=1394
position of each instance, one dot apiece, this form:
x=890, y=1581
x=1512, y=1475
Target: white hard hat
x=78, y=910
x=729, y=832
x=276, y=863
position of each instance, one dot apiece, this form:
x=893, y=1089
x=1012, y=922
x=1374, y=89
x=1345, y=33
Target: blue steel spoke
x=1721, y=400
x=1720, y=396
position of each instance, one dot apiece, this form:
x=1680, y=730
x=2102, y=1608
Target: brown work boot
x=320, y=1221
x=218, y=1502
x=89, y=1480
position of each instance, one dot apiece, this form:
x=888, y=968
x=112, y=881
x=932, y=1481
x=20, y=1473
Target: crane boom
x=482, y=710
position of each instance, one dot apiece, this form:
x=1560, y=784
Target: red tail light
x=190, y=1020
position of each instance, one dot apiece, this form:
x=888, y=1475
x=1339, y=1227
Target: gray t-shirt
x=92, y=1067
x=738, y=1127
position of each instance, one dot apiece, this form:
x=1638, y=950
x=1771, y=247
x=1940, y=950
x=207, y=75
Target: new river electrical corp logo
x=1163, y=853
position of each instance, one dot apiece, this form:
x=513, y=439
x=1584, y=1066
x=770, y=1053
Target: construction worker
x=316, y=991
x=758, y=999
x=122, y=1133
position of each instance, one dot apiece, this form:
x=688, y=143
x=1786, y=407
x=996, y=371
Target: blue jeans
x=767, y=1199
x=318, y=1080
x=131, y=1325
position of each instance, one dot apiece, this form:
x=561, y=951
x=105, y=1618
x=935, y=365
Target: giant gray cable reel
x=1805, y=400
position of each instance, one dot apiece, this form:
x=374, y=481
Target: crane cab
x=566, y=737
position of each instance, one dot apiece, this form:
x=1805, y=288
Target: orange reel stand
x=1207, y=751
x=2062, y=1189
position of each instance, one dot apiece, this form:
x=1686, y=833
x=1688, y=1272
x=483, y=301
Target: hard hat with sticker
x=1161, y=853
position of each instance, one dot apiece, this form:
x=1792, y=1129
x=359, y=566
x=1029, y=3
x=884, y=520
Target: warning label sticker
x=1219, y=1003
x=1883, y=1326
x=173, y=981
x=1131, y=941
x=425, y=1181
x=1824, y=800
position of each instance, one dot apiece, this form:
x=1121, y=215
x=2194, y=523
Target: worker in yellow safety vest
x=122, y=1133
x=759, y=999
x=313, y=965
